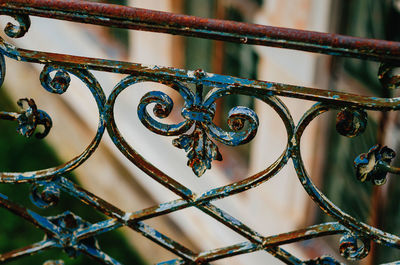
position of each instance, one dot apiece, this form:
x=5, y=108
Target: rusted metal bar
x=157, y=21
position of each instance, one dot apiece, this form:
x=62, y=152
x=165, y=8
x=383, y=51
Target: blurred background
x=278, y=206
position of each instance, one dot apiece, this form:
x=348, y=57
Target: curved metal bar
x=323, y=202
x=265, y=174
x=170, y=183
x=2, y=69
x=128, y=151
x=18, y=31
x=29, y=118
x=388, y=79
x=237, y=118
x=90, y=81
x=157, y=21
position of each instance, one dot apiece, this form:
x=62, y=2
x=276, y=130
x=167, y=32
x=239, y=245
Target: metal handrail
x=157, y=21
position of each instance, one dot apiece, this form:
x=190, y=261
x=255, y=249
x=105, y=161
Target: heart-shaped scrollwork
x=197, y=143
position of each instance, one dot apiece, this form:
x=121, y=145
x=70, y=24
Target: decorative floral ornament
x=200, y=113
x=29, y=118
x=373, y=165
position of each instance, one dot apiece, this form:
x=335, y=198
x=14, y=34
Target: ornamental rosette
x=368, y=164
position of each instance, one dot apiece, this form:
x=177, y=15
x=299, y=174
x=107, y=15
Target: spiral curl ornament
x=18, y=31
x=350, y=249
x=45, y=194
x=237, y=119
x=351, y=122
x=387, y=76
x=57, y=84
x=162, y=109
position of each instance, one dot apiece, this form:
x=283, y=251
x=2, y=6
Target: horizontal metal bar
x=169, y=73
x=157, y=21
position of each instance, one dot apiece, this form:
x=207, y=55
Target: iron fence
x=197, y=134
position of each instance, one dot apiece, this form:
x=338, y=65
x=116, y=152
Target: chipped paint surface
x=197, y=112
x=196, y=134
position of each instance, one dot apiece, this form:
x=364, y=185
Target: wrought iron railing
x=197, y=134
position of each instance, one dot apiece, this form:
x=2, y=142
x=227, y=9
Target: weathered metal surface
x=369, y=166
x=157, y=21
x=76, y=236
x=29, y=118
x=200, y=113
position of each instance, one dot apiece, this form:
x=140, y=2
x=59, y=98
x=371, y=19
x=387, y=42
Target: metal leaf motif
x=367, y=164
x=201, y=150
